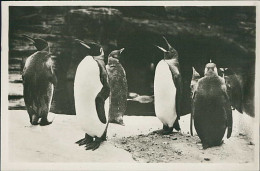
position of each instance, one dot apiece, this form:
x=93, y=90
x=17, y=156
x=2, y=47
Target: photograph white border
x=6, y=165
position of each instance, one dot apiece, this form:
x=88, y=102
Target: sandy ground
x=131, y=143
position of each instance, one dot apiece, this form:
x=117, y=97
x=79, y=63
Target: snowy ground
x=131, y=143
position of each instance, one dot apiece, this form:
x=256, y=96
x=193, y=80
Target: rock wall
x=224, y=34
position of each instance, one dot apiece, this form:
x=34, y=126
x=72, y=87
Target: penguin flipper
x=100, y=106
x=176, y=125
x=178, y=84
x=102, y=95
x=51, y=76
x=229, y=122
x=237, y=95
x=53, y=79
x=228, y=111
x=192, y=112
x=177, y=80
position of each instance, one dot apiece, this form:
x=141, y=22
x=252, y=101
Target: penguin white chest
x=86, y=87
x=164, y=94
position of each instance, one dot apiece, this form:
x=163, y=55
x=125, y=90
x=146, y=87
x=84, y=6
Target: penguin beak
x=195, y=73
x=101, y=52
x=193, y=70
x=121, y=50
x=82, y=43
x=162, y=49
x=29, y=38
x=169, y=46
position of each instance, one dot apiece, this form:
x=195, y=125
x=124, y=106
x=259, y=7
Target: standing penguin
x=118, y=87
x=38, y=81
x=168, y=90
x=234, y=88
x=91, y=90
x=211, y=108
x=193, y=87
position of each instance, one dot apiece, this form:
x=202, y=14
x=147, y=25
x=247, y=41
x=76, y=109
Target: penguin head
x=116, y=54
x=39, y=43
x=171, y=53
x=210, y=69
x=195, y=74
x=94, y=49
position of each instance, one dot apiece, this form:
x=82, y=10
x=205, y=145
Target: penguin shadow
x=162, y=132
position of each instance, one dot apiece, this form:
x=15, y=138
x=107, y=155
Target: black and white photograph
x=127, y=85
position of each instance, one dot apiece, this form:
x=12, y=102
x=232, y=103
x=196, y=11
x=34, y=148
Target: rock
x=123, y=142
x=251, y=143
x=207, y=159
x=241, y=134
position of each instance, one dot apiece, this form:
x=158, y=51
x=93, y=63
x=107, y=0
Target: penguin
x=211, y=108
x=91, y=92
x=168, y=90
x=193, y=87
x=118, y=88
x=234, y=88
x=39, y=81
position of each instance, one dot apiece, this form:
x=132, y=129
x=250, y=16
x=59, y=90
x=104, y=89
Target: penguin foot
x=34, y=120
x=158, y=131
x=87, y=140
x=163, y=132
x=167, y=130
x=81, y=141
x=45, y=123
x=94, y=145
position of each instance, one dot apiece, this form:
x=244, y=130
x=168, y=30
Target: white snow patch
x=55, y=142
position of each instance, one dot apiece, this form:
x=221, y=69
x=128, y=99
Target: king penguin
x=168, y=90
x=211, y=108
x=193, y=87
x=91, y=90
x=118, y=87
x=234, y=88
x=38, y=82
